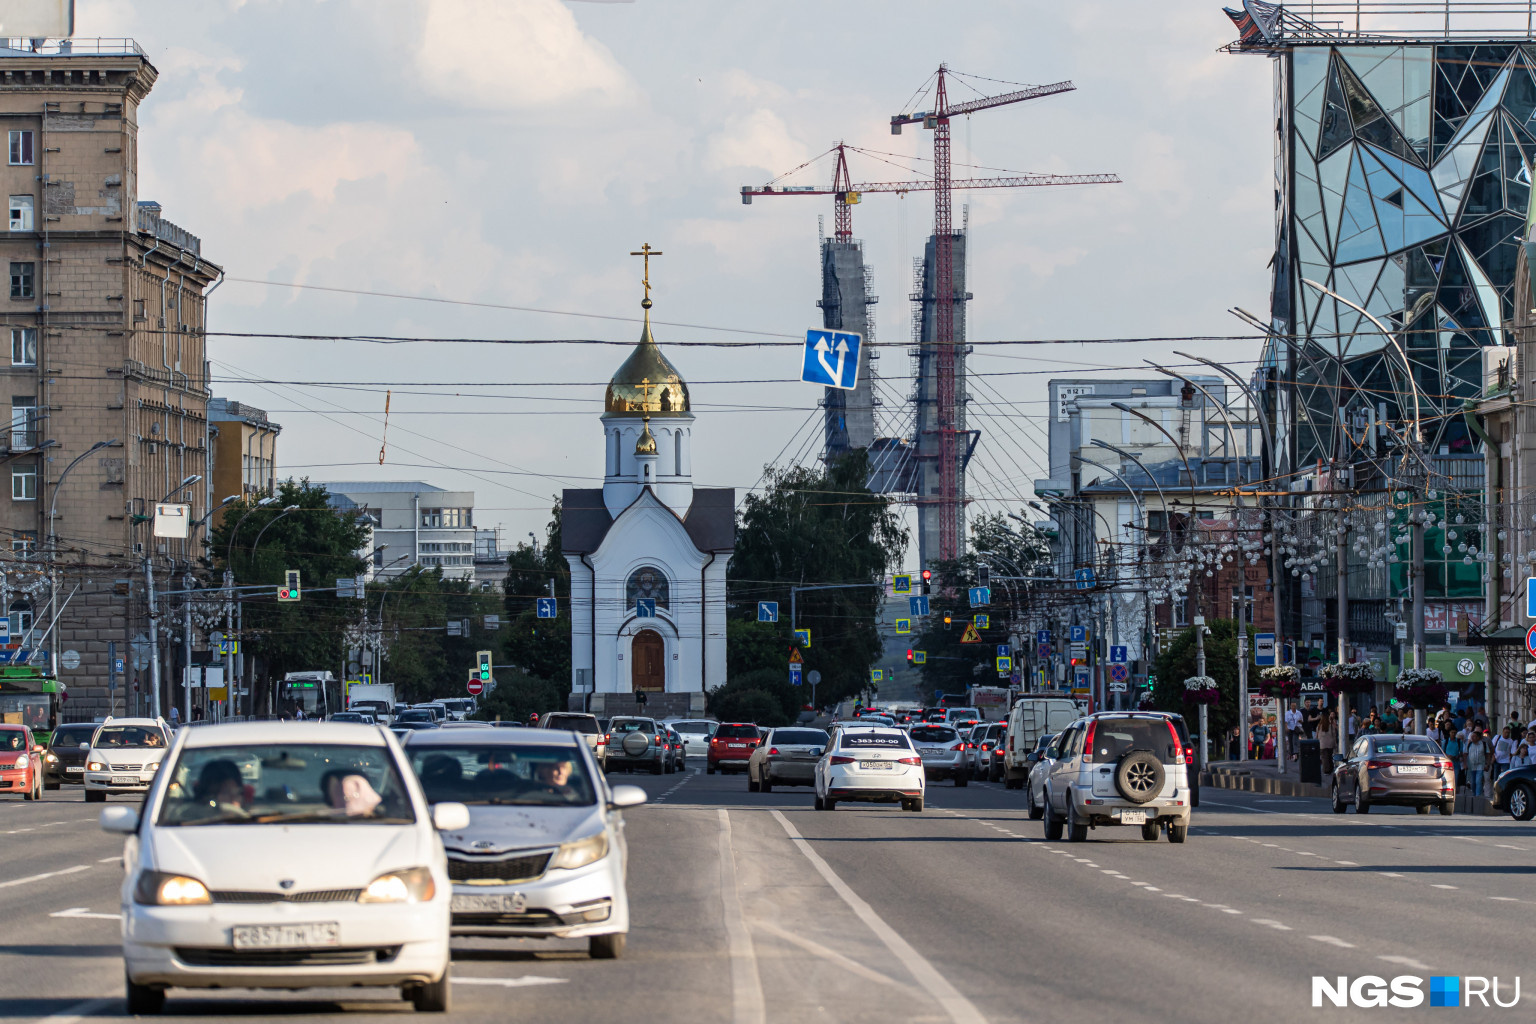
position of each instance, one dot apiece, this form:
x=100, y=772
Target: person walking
x=1327, y=741
x=1479, y=756
x=1503, y=751
x=1454, y=744
x=1292, y=729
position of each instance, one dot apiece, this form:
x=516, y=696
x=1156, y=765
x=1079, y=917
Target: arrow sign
x=917, y=605
x=1117, y=654
x=547, y=608
x=1084, y=578
x=645, y=607
x=981, y=597
x=767, y=611
x=831, y=359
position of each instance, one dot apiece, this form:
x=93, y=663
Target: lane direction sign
x=767, y=611
x=917, y=605
x=831, y=358
x=547, y=608
x=981, y=597
x=645, y=607
x=1117, y=654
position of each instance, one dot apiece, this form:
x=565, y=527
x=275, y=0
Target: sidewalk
x=1262, y=777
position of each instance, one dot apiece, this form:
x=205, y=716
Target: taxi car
x=125, y=754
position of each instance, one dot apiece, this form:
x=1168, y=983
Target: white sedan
x=870, y=764
x=285, y=855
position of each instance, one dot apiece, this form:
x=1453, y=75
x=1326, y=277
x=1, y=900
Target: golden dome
x=647, y=382
x=646, y=444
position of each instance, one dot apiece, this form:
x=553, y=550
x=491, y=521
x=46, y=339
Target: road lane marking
x=79, y=1011
x=747, y=1005
x=825, y=953
x=45, y=874
x=1505, y=899
x=110, y=860
x=1442, y=885
x=1405, y=961
x=960, y=1009
x=1269, y=923
x=1390, y=874
x=524, y=982
x=1332, y=941
x=85, y=912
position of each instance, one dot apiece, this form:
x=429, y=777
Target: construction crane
x=950, y=499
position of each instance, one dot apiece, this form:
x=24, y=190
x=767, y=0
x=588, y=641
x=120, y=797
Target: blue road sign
x=645, y=607
x=1079, y=635
x=1084, y=579
x=1004, y=651
x=794, y=673
x=803, y=637
x=1043, y=636
x=831, y=358
x=981, y=597
x=117, y=665
x=1004, y=666
x=1530, y=597
x=767, y=611
x=5, y=629
x=1263, y=649
x=547, y=608
x=1117, y=655
x=918, y=605
x=901, y=583
x=1042, y=650
x=919, y=657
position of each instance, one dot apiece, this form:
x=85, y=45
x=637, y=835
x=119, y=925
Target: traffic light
x=946, y=620
x=983, y=575
x=483, y=658
x=927, y=579
x=909, y=655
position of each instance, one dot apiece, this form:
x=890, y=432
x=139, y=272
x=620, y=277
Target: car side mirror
x=626, y=796
x=119, y=819
x=450, y=816
x=86, y=745
x=38, y=748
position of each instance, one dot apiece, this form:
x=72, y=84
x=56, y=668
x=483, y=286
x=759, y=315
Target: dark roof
x=710, y=522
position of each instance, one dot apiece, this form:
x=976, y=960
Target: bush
x=518, y=695
x=771, y=682
x=757, y=706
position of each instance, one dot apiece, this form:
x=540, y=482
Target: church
x=648, y=551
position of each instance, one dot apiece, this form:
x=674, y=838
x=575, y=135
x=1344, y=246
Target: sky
x=511, y=153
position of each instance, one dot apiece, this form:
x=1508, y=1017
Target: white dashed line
x=1332, y=941
x=1390, y=874
x=1505, y=899
x=1441, y=885
x=1268, y=923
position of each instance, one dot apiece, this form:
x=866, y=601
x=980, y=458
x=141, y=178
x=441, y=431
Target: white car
x=125, y=754
x=696, y=734
x=872, y=764
x=543, y=854
x=285, y=855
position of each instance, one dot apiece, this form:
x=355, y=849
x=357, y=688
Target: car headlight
x=53, y=759
x=163, y=889
x=582, y=852
x=412, y=885
x=95, y=766
x=153, y=766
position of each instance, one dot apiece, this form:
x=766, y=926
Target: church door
x=648, y=666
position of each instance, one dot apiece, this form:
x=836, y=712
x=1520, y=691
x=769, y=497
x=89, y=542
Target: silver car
x=787, y=757
x=1046, y=751
x=696, y=733
x=943, y=752
x=982, y=743
x=1118, y=768
x=544, y=854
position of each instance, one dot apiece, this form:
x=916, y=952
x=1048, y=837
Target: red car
x=731, y=747
x=21, y=762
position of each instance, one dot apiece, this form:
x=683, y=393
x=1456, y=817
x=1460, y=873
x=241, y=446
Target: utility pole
x=1418, y=588
x=1200, y=671
x=154, y=637
x=1242, y=691
x=186, y=646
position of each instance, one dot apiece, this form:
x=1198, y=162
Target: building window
x=24, y=543
x=446, y=518
x=21, y=280
x=647, y=582
x=23, y=483
x=23, y=423
x=21, y=213
x=23, y=346
x=138, y=310
x=20, y=611
x=21, y=147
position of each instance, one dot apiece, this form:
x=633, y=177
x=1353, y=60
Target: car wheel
x=1447, y=807
x=1052, y=823
x=709, y=769
x=1422, y=809
x=1522, y=803
x=819, y=804
x=95, y=796
x=1362, y=802
x=51, y=785
x=658, y=768
x=751, y=783
x=1338, y=800
x=1178, y=833
x=765, y=786
x=31, y=793
x=1194, y=795
x=1077, y=832
x=917, y=805
x=1149, y=830
x=433, y=997
x=606, y=947
x=1036, y=812
x=962, y=778
x=829, y=804
x=144, y=1000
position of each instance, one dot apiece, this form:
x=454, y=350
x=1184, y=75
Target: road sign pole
x=1242, y=692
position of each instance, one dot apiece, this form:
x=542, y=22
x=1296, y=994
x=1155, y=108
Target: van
x=1033, y=716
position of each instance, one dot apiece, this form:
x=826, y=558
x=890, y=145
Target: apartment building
x=244, y=444
x=416, y=524
x=107, y=375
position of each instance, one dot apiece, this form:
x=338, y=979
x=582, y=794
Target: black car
x=65, y=759
x=416, y=718
x=1189, y=759
x=1515, y=792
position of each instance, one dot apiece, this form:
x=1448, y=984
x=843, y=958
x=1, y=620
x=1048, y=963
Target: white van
x=1033, y=716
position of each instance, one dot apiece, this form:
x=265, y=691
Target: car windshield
x=129, y=736
x=417, y=716
x=73, y=735
x=736, y=732
x=1407, y=745
x=1115, y=737
x=286, y=783
x=934, y=734
x=875, y=740
x=346, y=716
x=584, y=724
x=500, y=773
x=692, y=728
x=799, y=737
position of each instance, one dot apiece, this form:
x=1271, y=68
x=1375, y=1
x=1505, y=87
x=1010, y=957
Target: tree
x=322, y=543
x=539, y=647
x=415, y=608
x=726, y=702
x=1176, y=663
x=818, y=526
x=518, y=695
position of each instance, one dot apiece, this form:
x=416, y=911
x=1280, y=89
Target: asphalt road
x=752, y=907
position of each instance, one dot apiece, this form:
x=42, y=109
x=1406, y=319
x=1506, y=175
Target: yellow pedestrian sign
x=970, y=636
x=983, y=621
x=903, y=625
x=901, y=583
x=794, y=656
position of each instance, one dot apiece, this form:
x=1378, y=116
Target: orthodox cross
x=647, y=252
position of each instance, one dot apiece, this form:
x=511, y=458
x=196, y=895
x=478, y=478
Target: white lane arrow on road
x=86, y=912
x=822, y=348
x=523, y=982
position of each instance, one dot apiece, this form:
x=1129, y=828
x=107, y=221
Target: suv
x=1118, y=768
x=586, y=726
x=731, y=746
x=636, y=742
x=125, y=754
x=1190, y=761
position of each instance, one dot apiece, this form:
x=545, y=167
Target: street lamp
x=53, y=575
x=264, y=529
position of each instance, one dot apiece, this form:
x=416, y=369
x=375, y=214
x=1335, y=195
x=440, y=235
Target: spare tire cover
x=1139, y=776
x=635, y=743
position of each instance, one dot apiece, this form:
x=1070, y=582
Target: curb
x=1247, y=783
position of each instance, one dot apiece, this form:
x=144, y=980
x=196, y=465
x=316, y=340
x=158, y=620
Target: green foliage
x=724, y=700
x=422, y=660
x=518, y=695
x=539, y=647
x=1176, y=663
x=752, y=646
x=816, y=526
x=756, y=706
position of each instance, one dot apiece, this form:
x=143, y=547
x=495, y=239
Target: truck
x=991, y=701
x=376, y=699
x=1032, y=716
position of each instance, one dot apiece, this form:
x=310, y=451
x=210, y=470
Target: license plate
x=124, y=780
x=286, y=936
x=1412, y=769
x=875, y=765
x=736, y=746
x=1133, y=817
x=489, y=903
x=73, y=768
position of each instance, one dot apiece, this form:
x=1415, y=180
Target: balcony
x=150, y=222
x=13, y=47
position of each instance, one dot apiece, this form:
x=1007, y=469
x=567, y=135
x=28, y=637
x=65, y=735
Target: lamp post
x=154, y=615
x=53, y=549
x=231, y=605
x=186, y=609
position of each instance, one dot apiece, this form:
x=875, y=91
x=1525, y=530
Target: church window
x=647, y=581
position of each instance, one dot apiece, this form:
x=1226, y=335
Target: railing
x=151, y=221
x=1312, y=22
x=19, y=47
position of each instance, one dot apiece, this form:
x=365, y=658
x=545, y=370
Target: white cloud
x=757, y=139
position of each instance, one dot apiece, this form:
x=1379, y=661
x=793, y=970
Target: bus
x=317, y=693
x=29, y=698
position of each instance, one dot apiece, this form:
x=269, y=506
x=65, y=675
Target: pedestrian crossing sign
x=875, y=675
x=901, y=583
x=903, y=625
x=983, y=621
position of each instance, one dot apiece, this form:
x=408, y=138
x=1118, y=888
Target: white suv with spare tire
x=1118, y=768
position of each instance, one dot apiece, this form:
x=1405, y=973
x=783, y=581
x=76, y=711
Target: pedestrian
x=1522, y=755
x=1389, y=720
x=1455, y=747
x=1234, y=743
x=1479, y=755
x=1292, y=729
x=1258, y=732
x=1327, y=741
x=1311, y=718
x=175, y=716
x=1503, y=751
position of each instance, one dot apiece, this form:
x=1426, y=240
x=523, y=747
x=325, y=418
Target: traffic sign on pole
x=919, y=657
x=903, y=625
x=794, y=656
x=1530, y=641
x=981, y=597
x=917, y=605
x=1117, y=654
x=794, y=673
x=767, y=611
x=803, y=637
x=1079, y=635
x=901, y=583
x=547, y=608
x=1042, y=650
x=475, y=687
x=1263, y=649
x=1084, y=578
x=1043, y=636
x=1530, y=597
x=982, y=621
x=831, y=358
x=1004, y=666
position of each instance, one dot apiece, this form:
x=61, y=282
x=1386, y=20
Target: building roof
x=378, y=486
x=710, y=522
x=223, y=410
x=646, y=382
